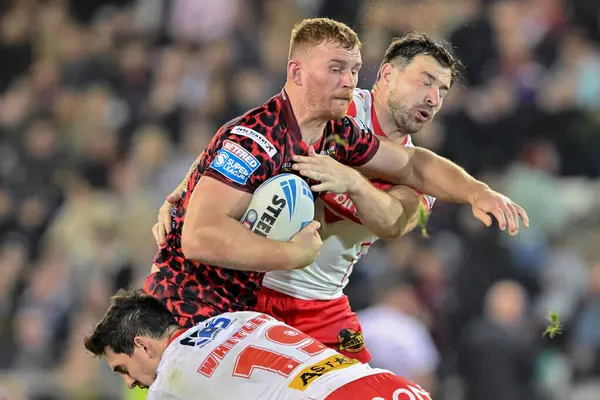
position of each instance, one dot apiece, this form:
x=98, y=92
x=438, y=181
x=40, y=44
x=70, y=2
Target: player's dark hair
x=403, y=50
x=132, y=313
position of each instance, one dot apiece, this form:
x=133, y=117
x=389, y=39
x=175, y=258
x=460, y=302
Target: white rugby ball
x=280, y=207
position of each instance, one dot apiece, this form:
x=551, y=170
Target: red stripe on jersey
x=351, y=111
x=376, y=127
x=423, y=198
x=345, y=275
x=175, y=335
x=338, y=208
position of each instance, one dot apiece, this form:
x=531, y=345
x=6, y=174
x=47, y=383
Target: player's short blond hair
x=314, y=31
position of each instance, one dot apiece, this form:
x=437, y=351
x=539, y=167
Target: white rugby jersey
x=344, y=238
x=249, y=355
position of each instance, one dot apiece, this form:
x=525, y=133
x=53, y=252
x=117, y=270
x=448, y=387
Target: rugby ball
x=280, y=207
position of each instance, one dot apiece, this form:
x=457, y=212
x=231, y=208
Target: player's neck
x=385, y=118
x=311, y=126
x=172, y=334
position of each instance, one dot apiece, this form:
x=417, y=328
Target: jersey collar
x=175, y=335
x=376, y=127
x=288, y=114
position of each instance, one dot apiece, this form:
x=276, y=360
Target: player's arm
x=385, y=159
x=237, y=161
x=411, y=202
x=425, y=171
x=390, y=213
x=418, y=168
x=439, y=177
x=212, y=233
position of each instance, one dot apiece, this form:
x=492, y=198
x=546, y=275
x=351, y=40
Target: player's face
x=416, y=92
x=330, y=76
x=138, y=370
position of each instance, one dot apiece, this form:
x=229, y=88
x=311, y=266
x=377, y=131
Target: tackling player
x=241, y=355
x=200, y=271
x=414, y=78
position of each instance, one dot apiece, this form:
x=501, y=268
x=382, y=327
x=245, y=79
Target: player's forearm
x=440, y=177
x=381, y=213
x=423, y=170
x=411, y=203
x=224, y=242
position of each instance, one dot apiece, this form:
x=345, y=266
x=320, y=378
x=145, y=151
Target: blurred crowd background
x=104, y=104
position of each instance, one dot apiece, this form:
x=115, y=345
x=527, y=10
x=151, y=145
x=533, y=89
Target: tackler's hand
x=506, y=211
x=162, y=228
x=331, y=175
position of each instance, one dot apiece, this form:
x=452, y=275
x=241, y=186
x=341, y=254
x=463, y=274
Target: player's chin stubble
x=403, y=118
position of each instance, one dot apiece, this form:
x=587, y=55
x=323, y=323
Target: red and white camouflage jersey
x=249, y=355
x=345, y=239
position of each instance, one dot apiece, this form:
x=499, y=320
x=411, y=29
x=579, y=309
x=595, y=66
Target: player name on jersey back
x=249, y=355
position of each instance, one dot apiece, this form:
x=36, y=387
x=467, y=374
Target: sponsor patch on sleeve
x=260, y=139
x=234, y=162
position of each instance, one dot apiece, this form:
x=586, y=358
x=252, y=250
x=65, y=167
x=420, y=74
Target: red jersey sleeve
x=351, y=111
x=360, y=144
x=240, y=157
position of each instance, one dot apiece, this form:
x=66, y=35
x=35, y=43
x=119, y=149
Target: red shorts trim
x=383, y=386
x=331, y=322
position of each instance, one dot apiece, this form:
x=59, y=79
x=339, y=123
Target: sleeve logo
x=234, y=162
x=257, y=137
x=221, y=159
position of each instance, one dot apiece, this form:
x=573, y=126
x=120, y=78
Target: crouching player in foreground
x=239, y=355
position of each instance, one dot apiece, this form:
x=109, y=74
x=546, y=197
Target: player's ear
x=294, y=71
x=387, y=72
x=142, y=343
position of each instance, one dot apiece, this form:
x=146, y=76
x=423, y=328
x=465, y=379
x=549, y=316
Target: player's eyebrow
x=434, y=79
x=343, y=63
x=118, y=369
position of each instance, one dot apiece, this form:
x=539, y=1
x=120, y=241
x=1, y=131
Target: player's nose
x=129, y=381
x=433, y=97
x=348, y=80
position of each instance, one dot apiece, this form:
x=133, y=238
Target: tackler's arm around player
x=439, y=177
x=382, y=213
x=387, y=213
x=212, y=233
x=411, y=202
x=430, y=174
